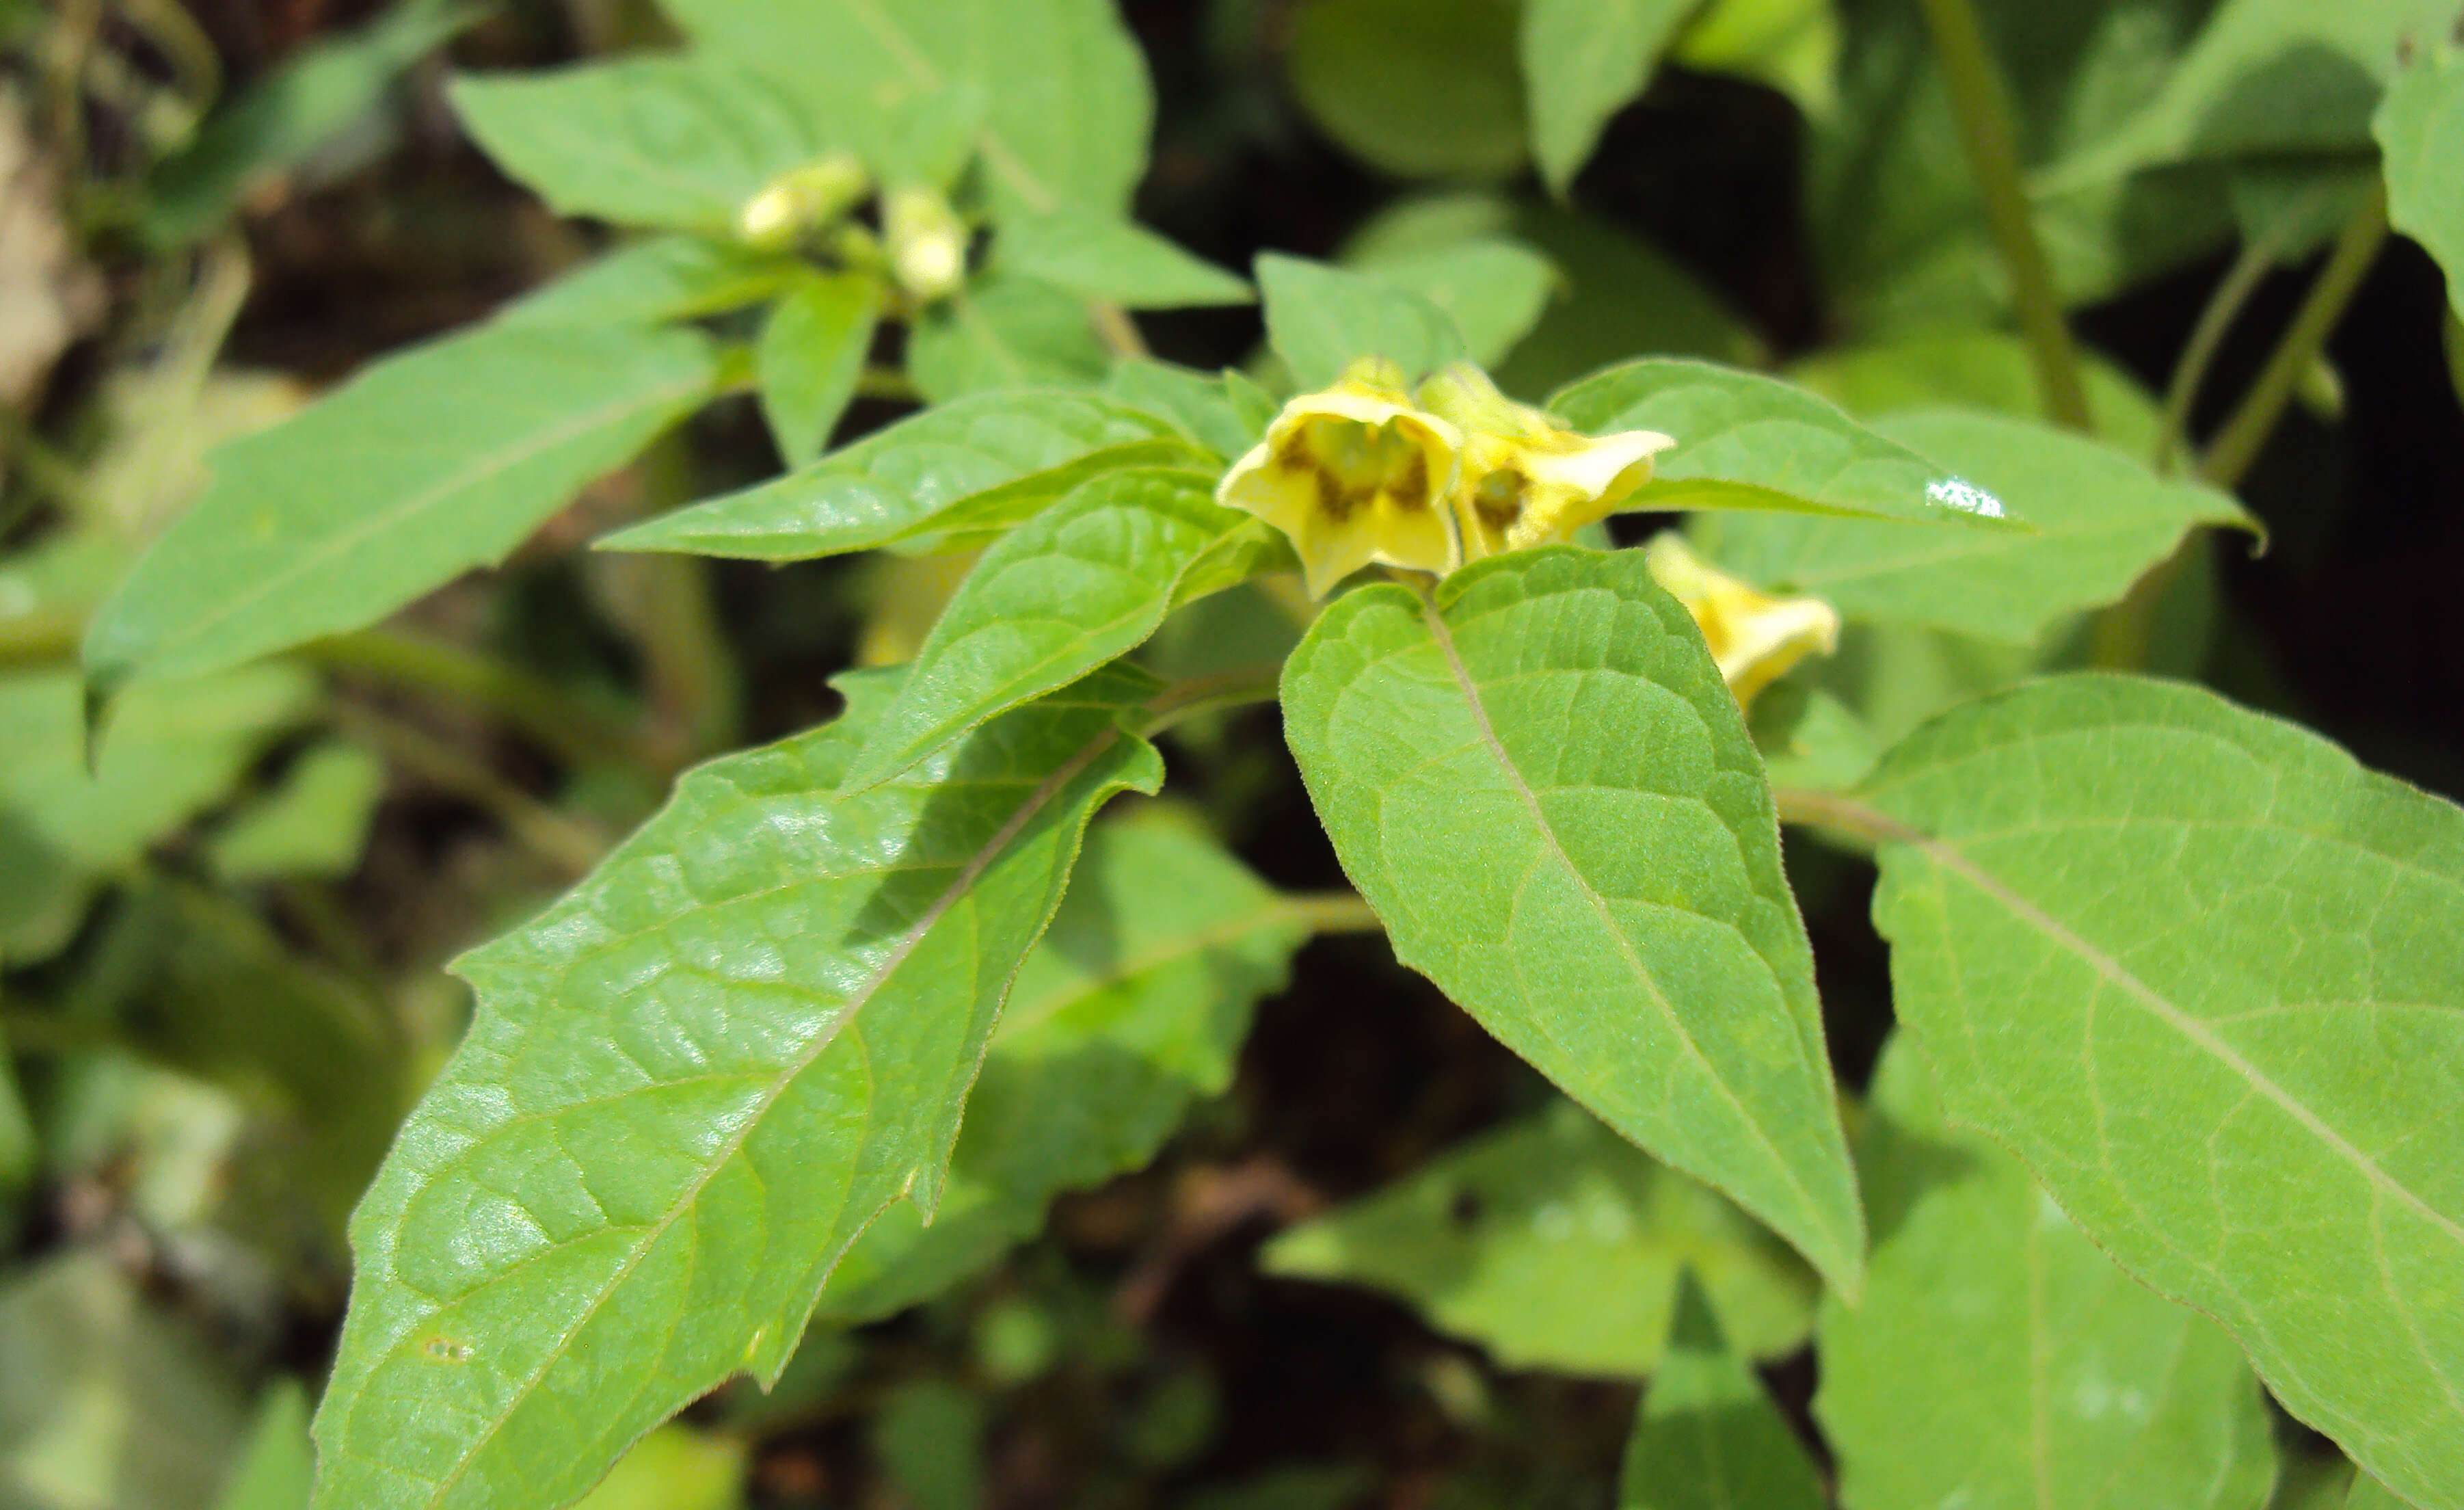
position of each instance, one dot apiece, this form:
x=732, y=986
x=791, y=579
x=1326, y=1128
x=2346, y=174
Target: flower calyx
x=1754, y=639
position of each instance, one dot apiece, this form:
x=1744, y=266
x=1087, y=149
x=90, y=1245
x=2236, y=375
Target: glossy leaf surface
x=1080, y=584
x=680, y=141
x=422, y=467
x=2127, y=908
x=1708, y=1436
x=899, y=479
x=2100, y=519
x=1749, y=442
x=1998, y=1358
x=690, y=1085
x=1135, y=1005
x=1504, y=1240
x=1539, y=781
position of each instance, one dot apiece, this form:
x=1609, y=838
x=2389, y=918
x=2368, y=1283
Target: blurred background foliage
x=222, y=937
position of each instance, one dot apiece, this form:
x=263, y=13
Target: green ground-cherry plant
x=2170, y=1125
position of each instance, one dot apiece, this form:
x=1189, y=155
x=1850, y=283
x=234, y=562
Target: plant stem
x=2207, y=336
x=1982, y=103
x=1119, y=332
x=1826, y=809
x=1334, y=911
x=2237, y=444
x=46, y=637
x=575, y=731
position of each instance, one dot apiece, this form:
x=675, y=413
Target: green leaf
x=1320, y=319
x=1998, y=1358
x=1504, y=1240
x=1749, y=442
x=2368, y=1494
x=2420, y=129
x=283, y=122
x=1493, y=290
x=277, y=1461
x=314, y=824
x=812, y=352
x=1081, y=584
x=1058, y=87
x=2101, y=518
x=1539, y=781
x=1196, y=405
x=425, y=465
x=1003, y=331
x=167, y=753
x=1790, y=45
x=680, y=141
x=1708, y=1436
x=1102, y=257
x=1986, y=370
x=898, y=482
x=1583, y=61
x=2124, y=908
x=657, y=280
x=1134, y=1006
x=689, y=1087
x=929, y=1436
x=1420, y=88
x=2266, y=76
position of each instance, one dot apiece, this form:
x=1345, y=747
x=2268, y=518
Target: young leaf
x=1708, y=1436
x=1494, y=290
x=315, y=824
x=1503, y=1240
x=1320, y=319
x=654, y=281
x=1134, y=1004
x=2101, y=518
x=679, y=142
x=2420, y=129
x=1002, y=331
x=1101, y=257
x=1583, y=61
x=690, y=1085
x=1065, y=108
x=811, y=354
x=897, y=481
x=1081, y=582
x=2120, y=909
x=423, y=466
x=1539, y=781
x=1998, y=1358
x=1749, y=442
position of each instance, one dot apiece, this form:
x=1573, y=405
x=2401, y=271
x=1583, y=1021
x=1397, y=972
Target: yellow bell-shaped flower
x=1754, y=639
x=1354, y=475
x=1526, y=480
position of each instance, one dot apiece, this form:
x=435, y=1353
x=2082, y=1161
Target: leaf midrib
x=490, y=464
x=2114, y=973
x=1444, y=638
x=804, y=1060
